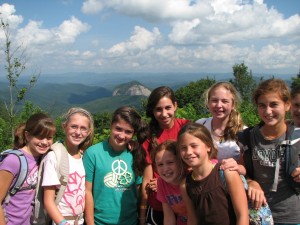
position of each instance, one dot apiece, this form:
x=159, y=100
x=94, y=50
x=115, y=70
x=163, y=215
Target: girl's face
x=192, y=150
x=164, y=112
x=272, y=109
x=220, y=103
x=167, y=167
x=36, y=145
x=76, y=130
x=295, y=109
x=121, y=133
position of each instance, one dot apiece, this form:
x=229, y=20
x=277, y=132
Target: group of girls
x=179, y=183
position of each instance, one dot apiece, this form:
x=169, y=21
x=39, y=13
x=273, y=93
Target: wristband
x=143, y=206
x=63, y=222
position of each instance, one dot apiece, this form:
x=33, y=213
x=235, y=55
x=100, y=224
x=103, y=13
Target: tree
x=15, y=65
x=193, y=94
x=243, y=81
x=296, y=81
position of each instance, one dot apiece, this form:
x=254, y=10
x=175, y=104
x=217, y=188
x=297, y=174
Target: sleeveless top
x=211, y=201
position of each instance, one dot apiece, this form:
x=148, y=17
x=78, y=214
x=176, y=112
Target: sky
x=189, y=36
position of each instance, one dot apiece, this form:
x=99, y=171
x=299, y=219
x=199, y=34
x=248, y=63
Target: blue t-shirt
x=114, y=184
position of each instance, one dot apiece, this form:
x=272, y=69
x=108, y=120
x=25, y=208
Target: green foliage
x=296, y=82
x=249, y=114
x=193, y=94
x=243, y=81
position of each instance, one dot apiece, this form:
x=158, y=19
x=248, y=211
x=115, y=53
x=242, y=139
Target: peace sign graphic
x=119, y=167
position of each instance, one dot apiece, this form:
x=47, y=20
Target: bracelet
x=63, y=222
x=143, y=206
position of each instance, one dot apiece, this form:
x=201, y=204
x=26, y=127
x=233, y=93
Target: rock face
x=131, y=88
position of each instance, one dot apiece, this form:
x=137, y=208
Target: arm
x=147, y=176
x=89, y=204
x=232, y=165
x=238, y=196
x=50, y=205
x=169, y=216
x=6, y=180
x=191, y=214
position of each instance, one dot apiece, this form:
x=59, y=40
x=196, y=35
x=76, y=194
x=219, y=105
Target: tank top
x=211, y=201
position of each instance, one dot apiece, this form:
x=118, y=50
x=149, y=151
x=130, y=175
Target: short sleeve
x=50, y=176
x=89, y=165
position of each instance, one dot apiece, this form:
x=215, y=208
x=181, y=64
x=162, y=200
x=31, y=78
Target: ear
x=27, y=136
x=287, y=106
x=175, y=105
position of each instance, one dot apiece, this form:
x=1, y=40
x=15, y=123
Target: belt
x=76, y=218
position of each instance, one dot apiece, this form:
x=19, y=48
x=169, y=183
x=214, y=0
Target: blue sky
x=156, y=36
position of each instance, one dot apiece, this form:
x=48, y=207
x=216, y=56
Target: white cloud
x=91, y=6
x=7, y=14
x=70, y=29
x=141, y=40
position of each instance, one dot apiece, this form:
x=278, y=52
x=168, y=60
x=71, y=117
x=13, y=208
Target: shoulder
x=181, y=121
x=203, y=120
x=10, y=163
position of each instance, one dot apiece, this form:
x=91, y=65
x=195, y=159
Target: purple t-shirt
x=19, y=208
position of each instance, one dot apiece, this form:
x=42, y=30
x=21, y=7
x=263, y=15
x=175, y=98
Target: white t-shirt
x=73, y=200
x=226, y=149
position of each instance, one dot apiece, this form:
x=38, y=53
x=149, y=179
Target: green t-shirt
x=114, y=184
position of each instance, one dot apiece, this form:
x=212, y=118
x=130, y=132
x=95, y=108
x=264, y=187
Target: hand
x=152, y=185
x=296, y=174
x=256, y=195
x=229, y=164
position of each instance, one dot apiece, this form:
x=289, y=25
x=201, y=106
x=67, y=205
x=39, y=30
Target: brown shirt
x=211, y=201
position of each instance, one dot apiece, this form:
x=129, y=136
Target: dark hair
x=153, y=99
x=201, y=132
x=295, y=91
x=38, y=125
x=89, y=139
x=272, y=86
x=235, y=122
x=140, y=127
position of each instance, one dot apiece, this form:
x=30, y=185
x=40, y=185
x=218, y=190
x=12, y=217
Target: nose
x=44, y=141
x=268, y=109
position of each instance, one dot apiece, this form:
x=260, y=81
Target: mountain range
x=98, y=93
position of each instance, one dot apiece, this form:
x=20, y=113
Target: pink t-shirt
x=170, y=194
x=166, y=134
x=19, y=208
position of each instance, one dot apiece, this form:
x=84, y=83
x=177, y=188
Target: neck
x=72, y=150
x=273, y=132
x=201, y=172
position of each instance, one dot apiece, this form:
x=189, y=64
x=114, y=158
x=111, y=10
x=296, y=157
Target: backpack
x=22, y=174
x=39, y=215
x=291, y=154
x=263, y=216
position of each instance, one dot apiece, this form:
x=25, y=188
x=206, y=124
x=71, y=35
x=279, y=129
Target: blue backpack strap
x=23, y=169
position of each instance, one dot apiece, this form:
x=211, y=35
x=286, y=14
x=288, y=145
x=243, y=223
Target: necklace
x=220, y=137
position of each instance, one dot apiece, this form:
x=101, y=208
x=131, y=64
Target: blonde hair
x=235, y=122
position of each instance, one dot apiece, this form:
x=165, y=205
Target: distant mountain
x=132, y=88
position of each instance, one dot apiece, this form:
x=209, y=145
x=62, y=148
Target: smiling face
x=76, y=130
x=272, y=109
x=164, y=112
x=167, y=167
x=220, y=103
x=192, y=150
x=37, y=146
x=295, y=109
x=121, y=133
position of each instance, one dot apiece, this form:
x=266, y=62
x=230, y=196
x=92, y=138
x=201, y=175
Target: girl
x=222, y=100
x=111, y=181
x=161, y=108
x=171, y=172
x=268, y=180
x=295, y=107
x=33, y=139
x=78, y=128
x=205, y=196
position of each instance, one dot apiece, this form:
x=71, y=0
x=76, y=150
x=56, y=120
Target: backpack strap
x=22, y=174
x=62, y=168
